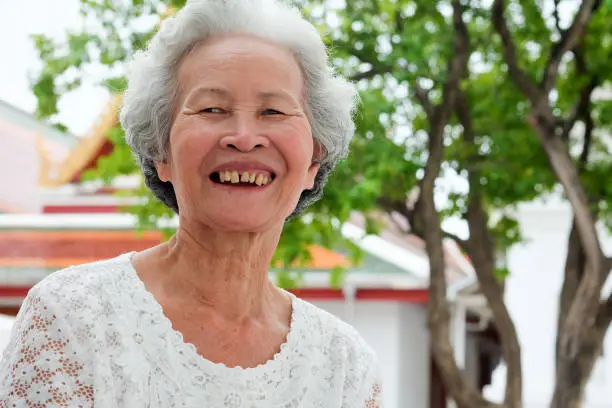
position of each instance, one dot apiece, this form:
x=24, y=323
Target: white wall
x=532, y=295
x=398, y=334
x=414, y=357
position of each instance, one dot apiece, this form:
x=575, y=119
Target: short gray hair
x=146, y=114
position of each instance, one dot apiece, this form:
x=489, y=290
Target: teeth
x=235, y=177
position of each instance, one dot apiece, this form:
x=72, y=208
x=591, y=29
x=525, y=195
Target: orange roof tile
x=69, y=247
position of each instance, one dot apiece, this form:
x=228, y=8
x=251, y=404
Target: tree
x=483, y=94
x=583, y=319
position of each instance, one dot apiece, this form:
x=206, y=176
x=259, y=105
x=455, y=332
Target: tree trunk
x=481, y=250
x=582, y=320
x=574, y=265
x=574, y=373
x=465, y=395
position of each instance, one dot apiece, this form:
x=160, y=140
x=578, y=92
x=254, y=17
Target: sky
x=19, y=62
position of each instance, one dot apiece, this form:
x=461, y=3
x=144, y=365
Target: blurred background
x=494, y=116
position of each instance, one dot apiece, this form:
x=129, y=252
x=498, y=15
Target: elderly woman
x=236, y=120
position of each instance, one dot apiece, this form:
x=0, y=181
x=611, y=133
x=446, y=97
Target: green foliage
x=506, y=232
x=336, y=276
x=389, y=45
x=501, y=274
x=116, y=85
x=120, y=162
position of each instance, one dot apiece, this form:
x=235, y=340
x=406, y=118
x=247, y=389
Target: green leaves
x=336, y=276
x=116, y=85
x=46, y=96
x=506, y=231
x=501, y=274
x=77, y=48
x=120, y=162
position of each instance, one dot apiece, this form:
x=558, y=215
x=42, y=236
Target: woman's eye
x=272, y=112
x=212, y=110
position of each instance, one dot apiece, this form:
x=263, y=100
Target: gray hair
x=146, y=114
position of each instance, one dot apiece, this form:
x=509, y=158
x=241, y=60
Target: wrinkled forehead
x=241, y=61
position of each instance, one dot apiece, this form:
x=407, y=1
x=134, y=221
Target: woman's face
x=241, y=148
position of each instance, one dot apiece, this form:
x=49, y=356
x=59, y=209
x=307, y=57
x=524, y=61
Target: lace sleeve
x=375, y=398
x=42, y=365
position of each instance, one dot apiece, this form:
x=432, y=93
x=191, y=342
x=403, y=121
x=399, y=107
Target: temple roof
x=86, y=152
x=27, y=121
x=25, y=141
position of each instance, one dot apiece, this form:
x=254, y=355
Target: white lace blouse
x=92, y=335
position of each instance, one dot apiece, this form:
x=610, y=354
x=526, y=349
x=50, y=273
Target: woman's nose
x=244, y=134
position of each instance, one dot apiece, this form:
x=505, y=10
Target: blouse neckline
x=187, y=349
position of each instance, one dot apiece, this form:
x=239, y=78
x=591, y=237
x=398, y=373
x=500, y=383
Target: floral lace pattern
x=93, y=335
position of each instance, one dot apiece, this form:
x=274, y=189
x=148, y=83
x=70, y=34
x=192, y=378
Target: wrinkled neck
x=226, y=271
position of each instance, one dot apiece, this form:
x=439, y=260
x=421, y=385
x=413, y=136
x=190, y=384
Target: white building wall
x=532, y=295
x=414, y=357
x=398, y=334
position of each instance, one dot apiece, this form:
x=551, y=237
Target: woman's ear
x=311, y=174
x=163, y=170
x=318, y=152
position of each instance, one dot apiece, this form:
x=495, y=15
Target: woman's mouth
x=242, y=178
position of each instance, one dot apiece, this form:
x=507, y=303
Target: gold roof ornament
x=46, y=170
x=84, y=152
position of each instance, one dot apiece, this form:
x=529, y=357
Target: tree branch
x=456, y=67
x=520, y=77
x=423, y=96
x=438, y=313
x=581, y=111
x=583, y=107
x=399, y=22
x=584, y=112
x=569, y=39
x=481, y=249
x=556, y=16
x=584, y=306
x=370, y=73
x=572, y=380
x=396, y=206
x=399, y=207
x=463, y=243
x=574, y=268
x=377, y=67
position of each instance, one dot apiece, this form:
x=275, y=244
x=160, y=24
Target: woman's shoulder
x=343, y=351
x=335, y=333
x=94, y=279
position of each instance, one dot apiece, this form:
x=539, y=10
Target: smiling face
x=241, y=149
